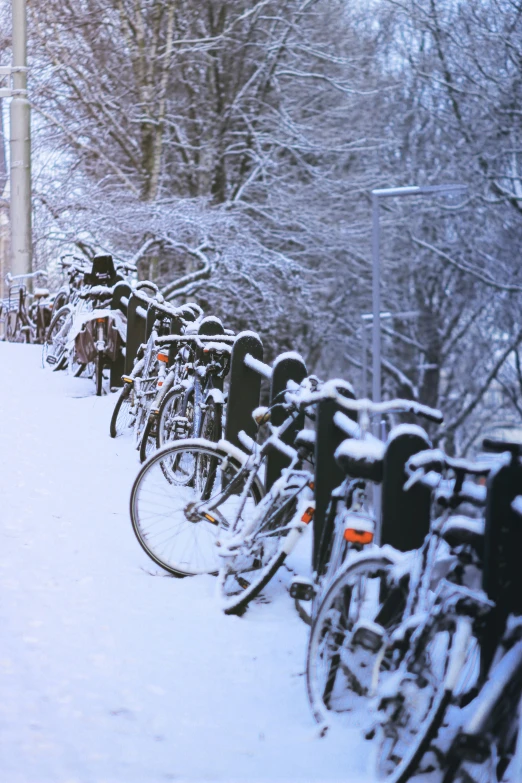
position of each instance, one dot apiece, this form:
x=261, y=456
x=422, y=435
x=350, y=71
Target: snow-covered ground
x=110, y=670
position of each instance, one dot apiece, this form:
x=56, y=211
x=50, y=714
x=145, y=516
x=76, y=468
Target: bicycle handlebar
x=74, y=262
x=438, y=461
x=39, y=273
x=126, y=265
x=498, y=446
x=330, y=390
x=435, y=461
x=97, y=291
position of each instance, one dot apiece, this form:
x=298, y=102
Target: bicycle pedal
x=302, y=589
x=51, y=359
x=368, y=635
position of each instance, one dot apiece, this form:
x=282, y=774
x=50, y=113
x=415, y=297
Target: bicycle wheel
x=16, y=333
x=345, y=647
x=249, y=565
x=60, y=300
x=164, y=504
x=441, y=663
x=212, y=424
x=54, y=353
x=123, y=415
x=172, y=424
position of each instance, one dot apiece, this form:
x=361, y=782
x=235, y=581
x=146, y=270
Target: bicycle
x=449, y=647
x=140, y=387
x=87, y=291
x=349, y=612
x=190, y=400
x=76, y=268
x=189, y=489
x=26, y=321
x=487, y=745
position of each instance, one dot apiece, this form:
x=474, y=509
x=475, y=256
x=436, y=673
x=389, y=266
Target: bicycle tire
x=171, y=406
x=58, y=330
x=303, y=612
x=329, y=654
x=143, y=402
x=419, y=730
x=15, y=331
x=61, y=299
x=165, y=492
x=20, y=335
x=236, y=592
x=148, y=440
x=212, y=422
x=122, y=418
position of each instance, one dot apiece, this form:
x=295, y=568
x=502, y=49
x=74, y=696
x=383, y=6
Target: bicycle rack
x=328, y=474
x=136, y=327
x=246, y=371
x=405, y=517
x=142, y=312
x=503, y=538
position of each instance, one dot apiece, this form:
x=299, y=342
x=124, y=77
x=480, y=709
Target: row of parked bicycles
x=410, y=581
x=82, y=326
x=413, y=592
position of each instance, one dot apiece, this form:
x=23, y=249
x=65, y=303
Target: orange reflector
x=127, y=379
x=210, y=519
x=160, y=383
x=100, y=320
x=358, y=536
x=163, y=357
x=308, y=515
x=311, y=485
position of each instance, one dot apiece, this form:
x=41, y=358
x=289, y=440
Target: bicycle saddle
x=460, y=530
x=362, y=458
x=305, y=439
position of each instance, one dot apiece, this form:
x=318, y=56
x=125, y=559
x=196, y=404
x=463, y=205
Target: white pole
x=20, y=197
x=376, y=302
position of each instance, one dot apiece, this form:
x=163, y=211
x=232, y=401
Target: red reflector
x=163, y=357
x=358, y=536
x=308, y=515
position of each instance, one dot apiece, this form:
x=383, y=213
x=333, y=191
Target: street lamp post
x=377, y=195
x=367, y=318
x=21, y=239
x=20, y=146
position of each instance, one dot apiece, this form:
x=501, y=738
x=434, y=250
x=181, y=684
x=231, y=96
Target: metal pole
x=376, y=299
x=364, y=359
x=411, y=190
x=20, y=200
